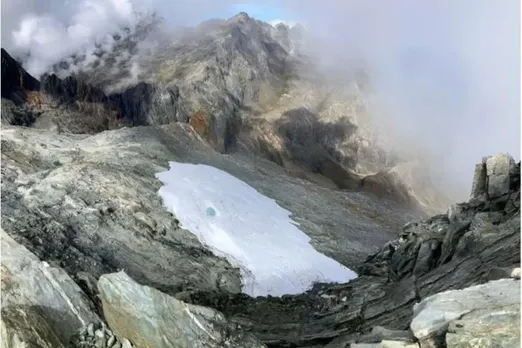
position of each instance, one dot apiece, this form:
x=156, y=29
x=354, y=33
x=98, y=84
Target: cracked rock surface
x=91, y=258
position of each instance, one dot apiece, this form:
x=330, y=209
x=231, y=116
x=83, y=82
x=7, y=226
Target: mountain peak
x=241, y=17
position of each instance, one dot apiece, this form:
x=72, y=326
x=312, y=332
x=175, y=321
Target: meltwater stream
x=251, y=230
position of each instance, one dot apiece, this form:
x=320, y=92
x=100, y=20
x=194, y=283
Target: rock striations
x=91, y=258
x=474, y=243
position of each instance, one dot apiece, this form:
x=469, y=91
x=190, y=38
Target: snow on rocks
x=251, y=230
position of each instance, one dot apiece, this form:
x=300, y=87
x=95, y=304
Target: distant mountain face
x=242, y=84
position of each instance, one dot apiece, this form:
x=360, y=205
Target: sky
x=446, y=72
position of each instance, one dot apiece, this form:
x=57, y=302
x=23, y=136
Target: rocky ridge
x=245, y=87
x=68, y=201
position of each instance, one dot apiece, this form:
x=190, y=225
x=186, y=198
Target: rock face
x=41, y=305
x=89, y=204
x=494, y=177
x=227, y=79
x=479, y=316
x=98, y=336
x=150, y=318
x=80, y=193
x=16, y=82
x=492, y=327
x=430, y=256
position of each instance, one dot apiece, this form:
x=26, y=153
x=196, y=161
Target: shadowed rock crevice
x=312, y=143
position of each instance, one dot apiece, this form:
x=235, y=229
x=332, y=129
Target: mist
x=445, y=74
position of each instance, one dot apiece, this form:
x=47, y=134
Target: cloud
x=445, y=73
x=288, y=23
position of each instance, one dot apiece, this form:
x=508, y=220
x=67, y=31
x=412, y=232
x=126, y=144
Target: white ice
x=251, y=230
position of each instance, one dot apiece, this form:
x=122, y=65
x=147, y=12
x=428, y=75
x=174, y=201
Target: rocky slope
x=84, y=203
x=93, y=200
x=244, y=86
x=91, y=257
x=472, y=243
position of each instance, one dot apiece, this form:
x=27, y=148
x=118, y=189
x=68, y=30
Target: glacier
x=249, y=229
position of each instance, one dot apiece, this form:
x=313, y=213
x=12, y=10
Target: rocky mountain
x=86, y=206
x=245, y=86
x=91, y=257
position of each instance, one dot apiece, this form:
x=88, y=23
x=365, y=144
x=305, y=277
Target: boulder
x=479, y=185
x=386, y=344
x=98, y=336
x=486, y=328
x=382, y=337
x=433, y=315
x=150, y=318
x=41, y=305
x=16, y=82
x=498, y=169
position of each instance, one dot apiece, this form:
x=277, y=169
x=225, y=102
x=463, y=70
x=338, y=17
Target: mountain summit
x=244, y=86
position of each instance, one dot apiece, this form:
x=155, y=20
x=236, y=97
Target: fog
x=445, y=73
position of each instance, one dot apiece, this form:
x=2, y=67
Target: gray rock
x=111, y=341
x=432, y=315
x=386, y=344
x=486, y=328
x=150, y=318
x=95, y=336
x=479, y=186
x=99, y=339
x=90, y=330
x=379, y=334
x=496, y=273
x=40, y=303
x=227, y=80
x=454, y=212
x=499, y=169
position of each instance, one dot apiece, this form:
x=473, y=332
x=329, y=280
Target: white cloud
x=48, y=36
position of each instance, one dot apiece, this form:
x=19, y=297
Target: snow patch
x=251, y=230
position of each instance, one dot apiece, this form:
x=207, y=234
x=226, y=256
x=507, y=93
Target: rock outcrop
x=494, y=177
x=98, y=336
x=41, y=305
x=89, y=204
x=150, y=318
x=479, y=316
x=16, y=82
x=72, y=105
